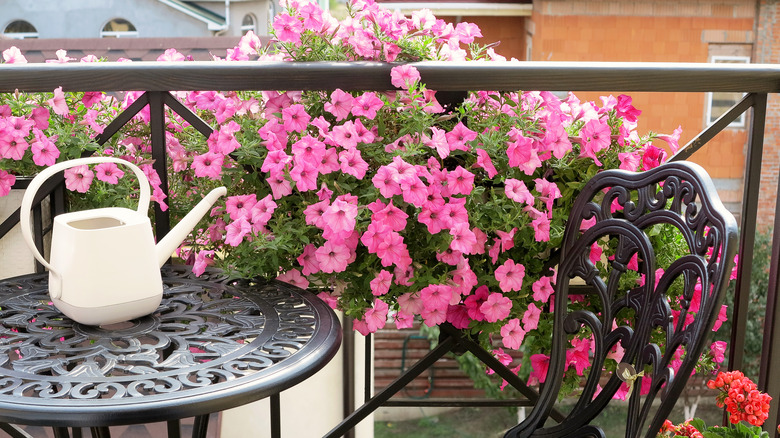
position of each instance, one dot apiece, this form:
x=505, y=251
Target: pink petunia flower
x=380, y=285
x=352, y=163
x=629, y=161
x=208, y=165
x=459, y=136
x=512, y=335
x=340, y=104
x=541, y=227
x=438, y=141
x=203, y=259
x=376, y=316
x=295, y=118
x=404, y=76
x=460, y=181
x=523, y=155
x=543, y=289
x=539, y=365
x=595, y=137
x=79, y=178
x=239, y=206
x=458, y=316
x=58, y=103
x=308, y=260
x=510, y=276
x=484, y=161
x=305, y=176
x=463, y=239
x=517, y=191
x=288, y=29
x=435, y=296
x=531, y=317
x=280, y=186
x=367, y=105
x=108, y=172
x=6, y=182
x=392, y=250
x=236, y=231
x=308, y=150
x=40, y=117
x=332, y=257
x=390, y=215
x=12, y=147
x=294, y=277
x=466, y=32
x=340, y=216
x=45, y=152
x=579, y=356
x=13, y=55
x=496, y=307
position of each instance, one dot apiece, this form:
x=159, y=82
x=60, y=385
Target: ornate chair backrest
x=621, y=210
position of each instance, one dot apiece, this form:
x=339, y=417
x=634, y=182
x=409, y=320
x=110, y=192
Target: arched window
x=248, y=23
x=118, y=28
x=271, y=12
x=20, y=29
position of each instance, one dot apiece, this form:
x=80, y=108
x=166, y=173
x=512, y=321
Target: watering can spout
x=168, y=244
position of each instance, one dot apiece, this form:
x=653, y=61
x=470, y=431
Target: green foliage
x=739, y=430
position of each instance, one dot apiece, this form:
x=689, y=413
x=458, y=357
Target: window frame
x=740, y=122
x=245, y=28
x=20, y=35
x=118, y=33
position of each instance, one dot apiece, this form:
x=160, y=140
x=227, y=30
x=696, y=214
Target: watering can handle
x=37, y=182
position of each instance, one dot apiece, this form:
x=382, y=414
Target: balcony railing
x=757, y=81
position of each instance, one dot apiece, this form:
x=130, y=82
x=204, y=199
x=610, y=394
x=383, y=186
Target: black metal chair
x=677, y=196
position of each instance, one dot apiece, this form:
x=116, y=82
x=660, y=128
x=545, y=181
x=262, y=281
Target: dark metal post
x=369, y=360
x=276, y=417
x=747, y=232
x=768, y=379
x=159, y=154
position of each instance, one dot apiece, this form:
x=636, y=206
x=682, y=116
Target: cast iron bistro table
x=213, y=344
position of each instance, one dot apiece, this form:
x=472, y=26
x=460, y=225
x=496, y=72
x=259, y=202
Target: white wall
x=15, y=256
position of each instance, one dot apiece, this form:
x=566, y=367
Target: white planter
x=310, y=409
x=15, y=257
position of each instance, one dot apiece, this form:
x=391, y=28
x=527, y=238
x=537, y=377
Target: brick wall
x=656, y=31
x=767, y=50
x=396, y=350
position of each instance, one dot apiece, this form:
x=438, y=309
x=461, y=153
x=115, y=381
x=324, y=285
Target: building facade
x=49, y=19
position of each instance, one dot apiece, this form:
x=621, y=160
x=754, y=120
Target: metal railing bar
x=122, y=118
x=747, y=232
x=711, y=131
x=505, y=373
x=438, y=75
x=185, y=113
x=456, y=403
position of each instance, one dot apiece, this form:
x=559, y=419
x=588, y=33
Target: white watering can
x=105, y=266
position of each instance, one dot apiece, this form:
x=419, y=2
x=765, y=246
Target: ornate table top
x=213, y=344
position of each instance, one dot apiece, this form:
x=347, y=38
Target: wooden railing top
x=444, y=76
